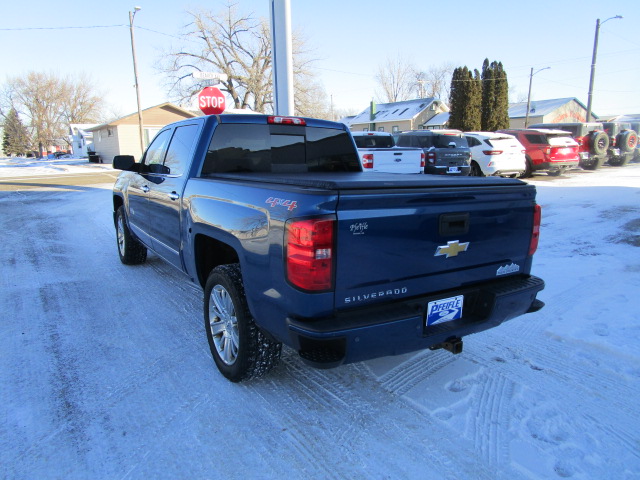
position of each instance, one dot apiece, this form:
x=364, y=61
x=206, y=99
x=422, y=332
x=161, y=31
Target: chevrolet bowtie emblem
x=452, y=249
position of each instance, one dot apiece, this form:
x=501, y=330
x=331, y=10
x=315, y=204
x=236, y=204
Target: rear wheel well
x=210, y=253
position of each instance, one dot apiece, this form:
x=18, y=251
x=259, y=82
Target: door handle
x=174, y=196
x=145, y=189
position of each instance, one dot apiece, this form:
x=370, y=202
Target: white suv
x=496, y=154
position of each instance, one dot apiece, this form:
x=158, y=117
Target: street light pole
x=526, y=118
x=135, y=74
x=593, y=65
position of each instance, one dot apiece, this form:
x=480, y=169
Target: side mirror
x=125, y=162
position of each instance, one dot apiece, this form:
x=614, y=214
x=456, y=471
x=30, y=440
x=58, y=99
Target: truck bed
x=360, y=181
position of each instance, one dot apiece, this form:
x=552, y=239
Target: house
x=121, y=137
x=397, y=116
x=558, y=110
x=80, y=139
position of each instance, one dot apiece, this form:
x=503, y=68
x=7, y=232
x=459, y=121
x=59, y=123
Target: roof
x=439, y=119
x=541, y=107
x=394, y=112
x=166, y=106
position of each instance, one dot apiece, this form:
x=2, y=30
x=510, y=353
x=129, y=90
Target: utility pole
x=593, y=65
x=526, y=118
x=135, y=74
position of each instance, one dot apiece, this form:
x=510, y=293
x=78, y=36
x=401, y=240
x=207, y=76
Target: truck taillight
x=367, y=160
x=276, y=120
x=309, y=253
x=422, y=160
x=535, y=233
x=431, y=157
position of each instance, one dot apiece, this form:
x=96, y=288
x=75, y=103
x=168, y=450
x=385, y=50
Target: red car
x=550, y=150
x=592, y=140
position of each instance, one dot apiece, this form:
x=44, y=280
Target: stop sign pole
x=211, y=101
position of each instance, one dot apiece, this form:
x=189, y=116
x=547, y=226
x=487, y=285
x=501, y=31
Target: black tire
x=620, y=161
x=528, y=171
x=626, y=141
x=476, y=171
x=130, y=250
x=239, y=349
x=599, y=143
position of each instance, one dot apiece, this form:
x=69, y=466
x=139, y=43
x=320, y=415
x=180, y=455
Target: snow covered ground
x=105, y=370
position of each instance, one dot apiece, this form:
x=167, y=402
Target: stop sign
x=211, y=101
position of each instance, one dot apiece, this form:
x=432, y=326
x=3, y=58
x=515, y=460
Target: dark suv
x=591, y=137
x=623, y=143
x=446, y=151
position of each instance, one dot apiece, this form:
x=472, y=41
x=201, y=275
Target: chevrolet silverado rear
x=293, y=244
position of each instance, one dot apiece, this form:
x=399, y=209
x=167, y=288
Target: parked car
x=546, y=149
x=378, y=153
x=496, y=154
x=593, y=141
x=623, y=143
x=447, y=151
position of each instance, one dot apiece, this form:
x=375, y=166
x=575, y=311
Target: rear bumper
x=400, y=327
x=463, y=170
x=557, y=165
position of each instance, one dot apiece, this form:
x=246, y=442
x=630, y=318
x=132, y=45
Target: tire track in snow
x=370, y=419
x=407, y=375
x=492, y=418
x=563, y=374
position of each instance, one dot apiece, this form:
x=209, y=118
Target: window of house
x=109, y=132
x=381, y=129
x=395, y=129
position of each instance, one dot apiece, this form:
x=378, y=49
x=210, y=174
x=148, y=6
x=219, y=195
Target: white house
x=397, y=116
x=121, y=136
x=80, y=139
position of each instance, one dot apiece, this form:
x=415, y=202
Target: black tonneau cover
x=359, y=180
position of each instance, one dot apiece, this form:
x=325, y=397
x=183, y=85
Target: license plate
x=444, y=310
x=453, y=170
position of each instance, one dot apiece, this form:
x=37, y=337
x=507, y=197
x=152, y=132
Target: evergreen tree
x=474, y=108
x=16, y=139
x=465, y=100
x=501, y=105
x=495, y=97
x=457, y=98
x=488, y=87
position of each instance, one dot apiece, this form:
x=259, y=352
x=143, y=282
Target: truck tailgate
x=399, y=243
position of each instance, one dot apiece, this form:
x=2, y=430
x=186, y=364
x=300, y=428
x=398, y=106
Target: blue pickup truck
x=293, y=244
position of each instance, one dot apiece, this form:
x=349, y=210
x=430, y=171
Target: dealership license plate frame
x=444, y=310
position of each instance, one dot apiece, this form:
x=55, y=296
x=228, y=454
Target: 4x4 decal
x=290, y=204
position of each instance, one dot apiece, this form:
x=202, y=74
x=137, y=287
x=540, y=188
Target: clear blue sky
x=351, y=39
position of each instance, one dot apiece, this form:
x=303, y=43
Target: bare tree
x=239, y=46
x=435, y=82
x=396, y=77
x=50, y=103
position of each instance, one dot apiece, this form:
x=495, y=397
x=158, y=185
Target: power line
x=60, y=28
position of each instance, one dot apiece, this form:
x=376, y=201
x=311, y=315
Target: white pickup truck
x=378, y=153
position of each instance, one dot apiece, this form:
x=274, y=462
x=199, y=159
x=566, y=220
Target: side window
x=156, y=151
x=179, y=153
x=536, y=139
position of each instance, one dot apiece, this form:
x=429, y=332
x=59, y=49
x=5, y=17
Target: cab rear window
x=238, y=148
